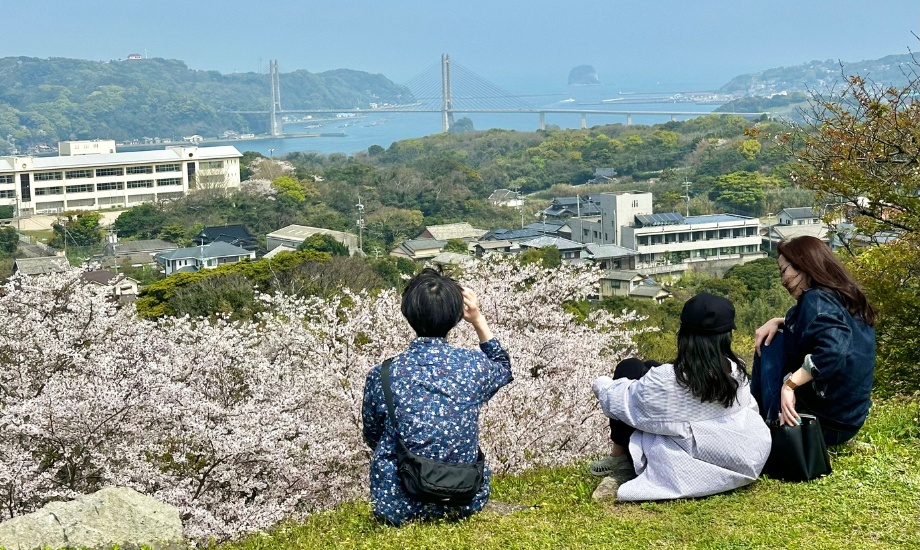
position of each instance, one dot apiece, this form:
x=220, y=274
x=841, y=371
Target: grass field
x=870, y=501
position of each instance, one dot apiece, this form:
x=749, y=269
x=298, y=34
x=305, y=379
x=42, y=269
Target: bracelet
x=787, y=381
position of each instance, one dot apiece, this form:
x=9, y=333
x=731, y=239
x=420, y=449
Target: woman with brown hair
x=820, y=357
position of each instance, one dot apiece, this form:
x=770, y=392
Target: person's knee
x=631, y=368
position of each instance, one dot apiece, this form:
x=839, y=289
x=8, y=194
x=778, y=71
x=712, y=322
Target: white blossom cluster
x=243, y=424
x=260, y=187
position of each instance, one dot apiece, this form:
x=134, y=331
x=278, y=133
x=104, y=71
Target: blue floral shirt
x=438, y=391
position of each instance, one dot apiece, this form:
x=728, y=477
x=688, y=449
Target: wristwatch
x=787, y=381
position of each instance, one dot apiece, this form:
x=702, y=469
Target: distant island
x=583, y=75
x=43, y=101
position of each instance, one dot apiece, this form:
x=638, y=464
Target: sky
x=522, y=46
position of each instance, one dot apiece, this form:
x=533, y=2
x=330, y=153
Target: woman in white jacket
x=693, y=428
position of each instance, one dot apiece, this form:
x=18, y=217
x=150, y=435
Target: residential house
x=418, y=249
x=196, y=258
x=293, y=236
x=603, y=175
x=237, y=235
x=582, y=205
x=514, y=236
x=549, y=227
x=650, y=290
x=123, y=288
x=130, y=248
x=611, y=256
x=505, y=197
x=570, y=250
x=501, y=246
x=44, y=265
x=799, y=216
x=614, y=282
x=463, y=231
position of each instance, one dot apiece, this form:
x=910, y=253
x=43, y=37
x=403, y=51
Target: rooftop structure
x=294, y=235
x=129, y=248
x=91, y=175
x=451, y=231
x=41, y=266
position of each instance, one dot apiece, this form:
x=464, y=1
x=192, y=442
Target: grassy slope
x=871, y=501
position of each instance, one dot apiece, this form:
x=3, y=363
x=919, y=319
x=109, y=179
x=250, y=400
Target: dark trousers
x=633, y=369
x=767, y=384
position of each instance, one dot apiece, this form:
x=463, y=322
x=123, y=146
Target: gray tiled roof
x=422, y=244
x=803, y=212
x=646, y=291
x=618, y=275
x=558, y=242
x=609, y=251
x=454, y=231
x=42, y=266
x=149, y=246
x=214, y=250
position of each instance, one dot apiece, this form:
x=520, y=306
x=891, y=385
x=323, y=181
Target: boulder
x=114, y=515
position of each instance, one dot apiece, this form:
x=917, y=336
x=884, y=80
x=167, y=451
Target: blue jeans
x=767, y=385
x=767, y=377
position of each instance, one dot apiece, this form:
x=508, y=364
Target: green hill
x=47, y=100
x=817, y=76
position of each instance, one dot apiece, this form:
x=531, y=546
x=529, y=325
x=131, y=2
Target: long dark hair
x=814, y=258
x=702, y=366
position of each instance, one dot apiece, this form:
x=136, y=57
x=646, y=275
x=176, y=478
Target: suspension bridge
x=449, y=88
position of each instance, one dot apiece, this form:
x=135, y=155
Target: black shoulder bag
x=798, y=452
x=427, y=480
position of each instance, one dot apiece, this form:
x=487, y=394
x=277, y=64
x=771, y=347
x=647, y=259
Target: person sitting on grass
x=438, y=391
x=689, y=428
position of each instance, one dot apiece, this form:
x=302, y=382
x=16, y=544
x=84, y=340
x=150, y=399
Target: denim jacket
x=842, y=348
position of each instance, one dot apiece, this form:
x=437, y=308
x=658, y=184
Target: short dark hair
x=432, y=303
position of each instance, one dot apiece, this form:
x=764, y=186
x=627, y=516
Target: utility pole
x=686, y=185
x=360, y=208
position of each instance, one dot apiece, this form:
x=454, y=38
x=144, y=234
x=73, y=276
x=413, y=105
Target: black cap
x=706, y=313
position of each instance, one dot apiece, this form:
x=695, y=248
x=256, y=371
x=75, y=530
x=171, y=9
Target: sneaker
x=610, y=465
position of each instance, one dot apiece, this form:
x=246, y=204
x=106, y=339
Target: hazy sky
x=519, y=45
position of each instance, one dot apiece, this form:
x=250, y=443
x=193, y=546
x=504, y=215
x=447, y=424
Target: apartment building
x=92, y=175
x=614, y=211
x=672, y=243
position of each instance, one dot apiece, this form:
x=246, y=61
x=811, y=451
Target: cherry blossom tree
x=241, y=424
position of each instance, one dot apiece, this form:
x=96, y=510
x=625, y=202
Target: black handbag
x=798, y=452
x=427, y=480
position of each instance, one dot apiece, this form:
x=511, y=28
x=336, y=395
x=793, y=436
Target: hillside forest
x=49, y=100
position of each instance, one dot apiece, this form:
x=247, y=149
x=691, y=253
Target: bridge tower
x=447, y=103
x=276, y=123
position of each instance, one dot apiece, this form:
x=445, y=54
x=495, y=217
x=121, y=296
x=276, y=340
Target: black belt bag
x=427, y=480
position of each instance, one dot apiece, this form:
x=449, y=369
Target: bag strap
x=387, y=393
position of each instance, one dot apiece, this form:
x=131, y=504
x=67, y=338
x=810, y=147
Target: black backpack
x=427, y=480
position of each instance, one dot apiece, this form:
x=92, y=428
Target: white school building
x=92, y=175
